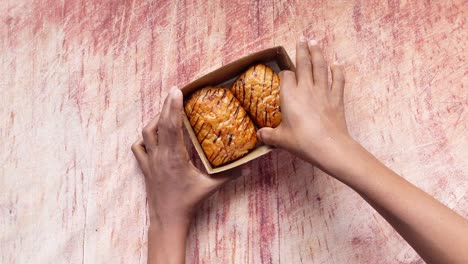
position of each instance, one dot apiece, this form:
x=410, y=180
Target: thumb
x=268, y=136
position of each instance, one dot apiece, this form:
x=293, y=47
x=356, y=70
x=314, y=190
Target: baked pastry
x=258, y=90
x=221, y=125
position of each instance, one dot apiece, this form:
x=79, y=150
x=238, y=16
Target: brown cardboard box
x=276, y=58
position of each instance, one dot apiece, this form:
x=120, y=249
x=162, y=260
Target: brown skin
x=313, y=127
x=173, y=185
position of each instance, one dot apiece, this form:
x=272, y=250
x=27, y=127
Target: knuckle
x=287, y=73
x=177, y=155
x=340, y=79
x=305, y=61
x=302, y=45
x=305, y=83
x=146, y=131
x=170, y=124
x=320, y=64
x=164, y=125
x=337, y=69
x=338, y=76
x=335, y=101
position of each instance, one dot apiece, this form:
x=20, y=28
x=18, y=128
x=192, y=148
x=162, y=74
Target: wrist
x=338, y=156
x=345, y=150
x=331, y=151
x=167, y=242
x=351, y=163
x=168, y=221
x=175, y=231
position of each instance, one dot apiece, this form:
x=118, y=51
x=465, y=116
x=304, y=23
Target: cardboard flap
x=235, y=68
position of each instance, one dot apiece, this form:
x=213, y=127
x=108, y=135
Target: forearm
x=166, y=243
x=437, y=233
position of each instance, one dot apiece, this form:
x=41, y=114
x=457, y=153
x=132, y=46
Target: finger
x=139, y=151
x=287, y=82
x=170, y=124
x=269, y=136
x=303, y=62
x=319, y=65
x=150, y=134
x=219, y=179
x=338, y=82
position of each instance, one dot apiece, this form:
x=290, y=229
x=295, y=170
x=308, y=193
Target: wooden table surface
x=80, y=78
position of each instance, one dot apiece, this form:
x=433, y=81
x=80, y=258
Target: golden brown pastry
x=258, y=91
x=221, y=125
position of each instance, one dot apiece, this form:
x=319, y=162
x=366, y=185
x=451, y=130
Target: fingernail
x=174, y=90
x=312, y=42
x=302, y=38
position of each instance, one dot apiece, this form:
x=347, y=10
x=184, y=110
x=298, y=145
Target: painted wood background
x=79, y=79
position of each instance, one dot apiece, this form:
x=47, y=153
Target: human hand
x=313, y=127
x=174, y=186
x=313, y=119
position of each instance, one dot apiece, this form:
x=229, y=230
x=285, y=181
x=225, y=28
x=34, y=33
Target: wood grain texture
x=81, y=78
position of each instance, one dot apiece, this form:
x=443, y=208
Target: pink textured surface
x=80, y=78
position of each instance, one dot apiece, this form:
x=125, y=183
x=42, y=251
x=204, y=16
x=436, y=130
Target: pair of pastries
x=222, y=118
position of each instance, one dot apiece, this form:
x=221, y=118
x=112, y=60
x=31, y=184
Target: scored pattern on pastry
x=221, y=125
x=258, y=90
